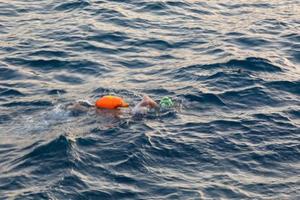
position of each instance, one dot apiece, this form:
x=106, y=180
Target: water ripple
x=231, y=67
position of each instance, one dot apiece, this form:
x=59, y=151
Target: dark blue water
x=232, y=66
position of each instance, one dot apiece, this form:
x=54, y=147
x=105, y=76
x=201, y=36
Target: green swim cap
x=166, y=102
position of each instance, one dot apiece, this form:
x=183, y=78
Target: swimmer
x=114, y=102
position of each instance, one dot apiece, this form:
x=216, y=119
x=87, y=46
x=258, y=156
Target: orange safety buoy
x=110, y=102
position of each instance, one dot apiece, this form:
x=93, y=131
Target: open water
x=233, y=68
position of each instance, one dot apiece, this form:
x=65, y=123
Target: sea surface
x=232, y=68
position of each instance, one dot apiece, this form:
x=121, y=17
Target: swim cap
x=110, y=102
x=166, y=102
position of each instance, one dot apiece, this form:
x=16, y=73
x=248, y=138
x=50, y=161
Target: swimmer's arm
x=85, y=103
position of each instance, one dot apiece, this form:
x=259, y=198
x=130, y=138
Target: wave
x=10, y=92
x=250, y=64
x=7, y=73
x=42, y=103
x=80, y=66
x=73, y=5
x=153, y=6
x=288, y=86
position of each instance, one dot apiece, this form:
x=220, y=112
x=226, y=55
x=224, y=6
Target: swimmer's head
x=166, y=102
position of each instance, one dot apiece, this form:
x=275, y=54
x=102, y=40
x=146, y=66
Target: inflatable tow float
x=110, y=102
